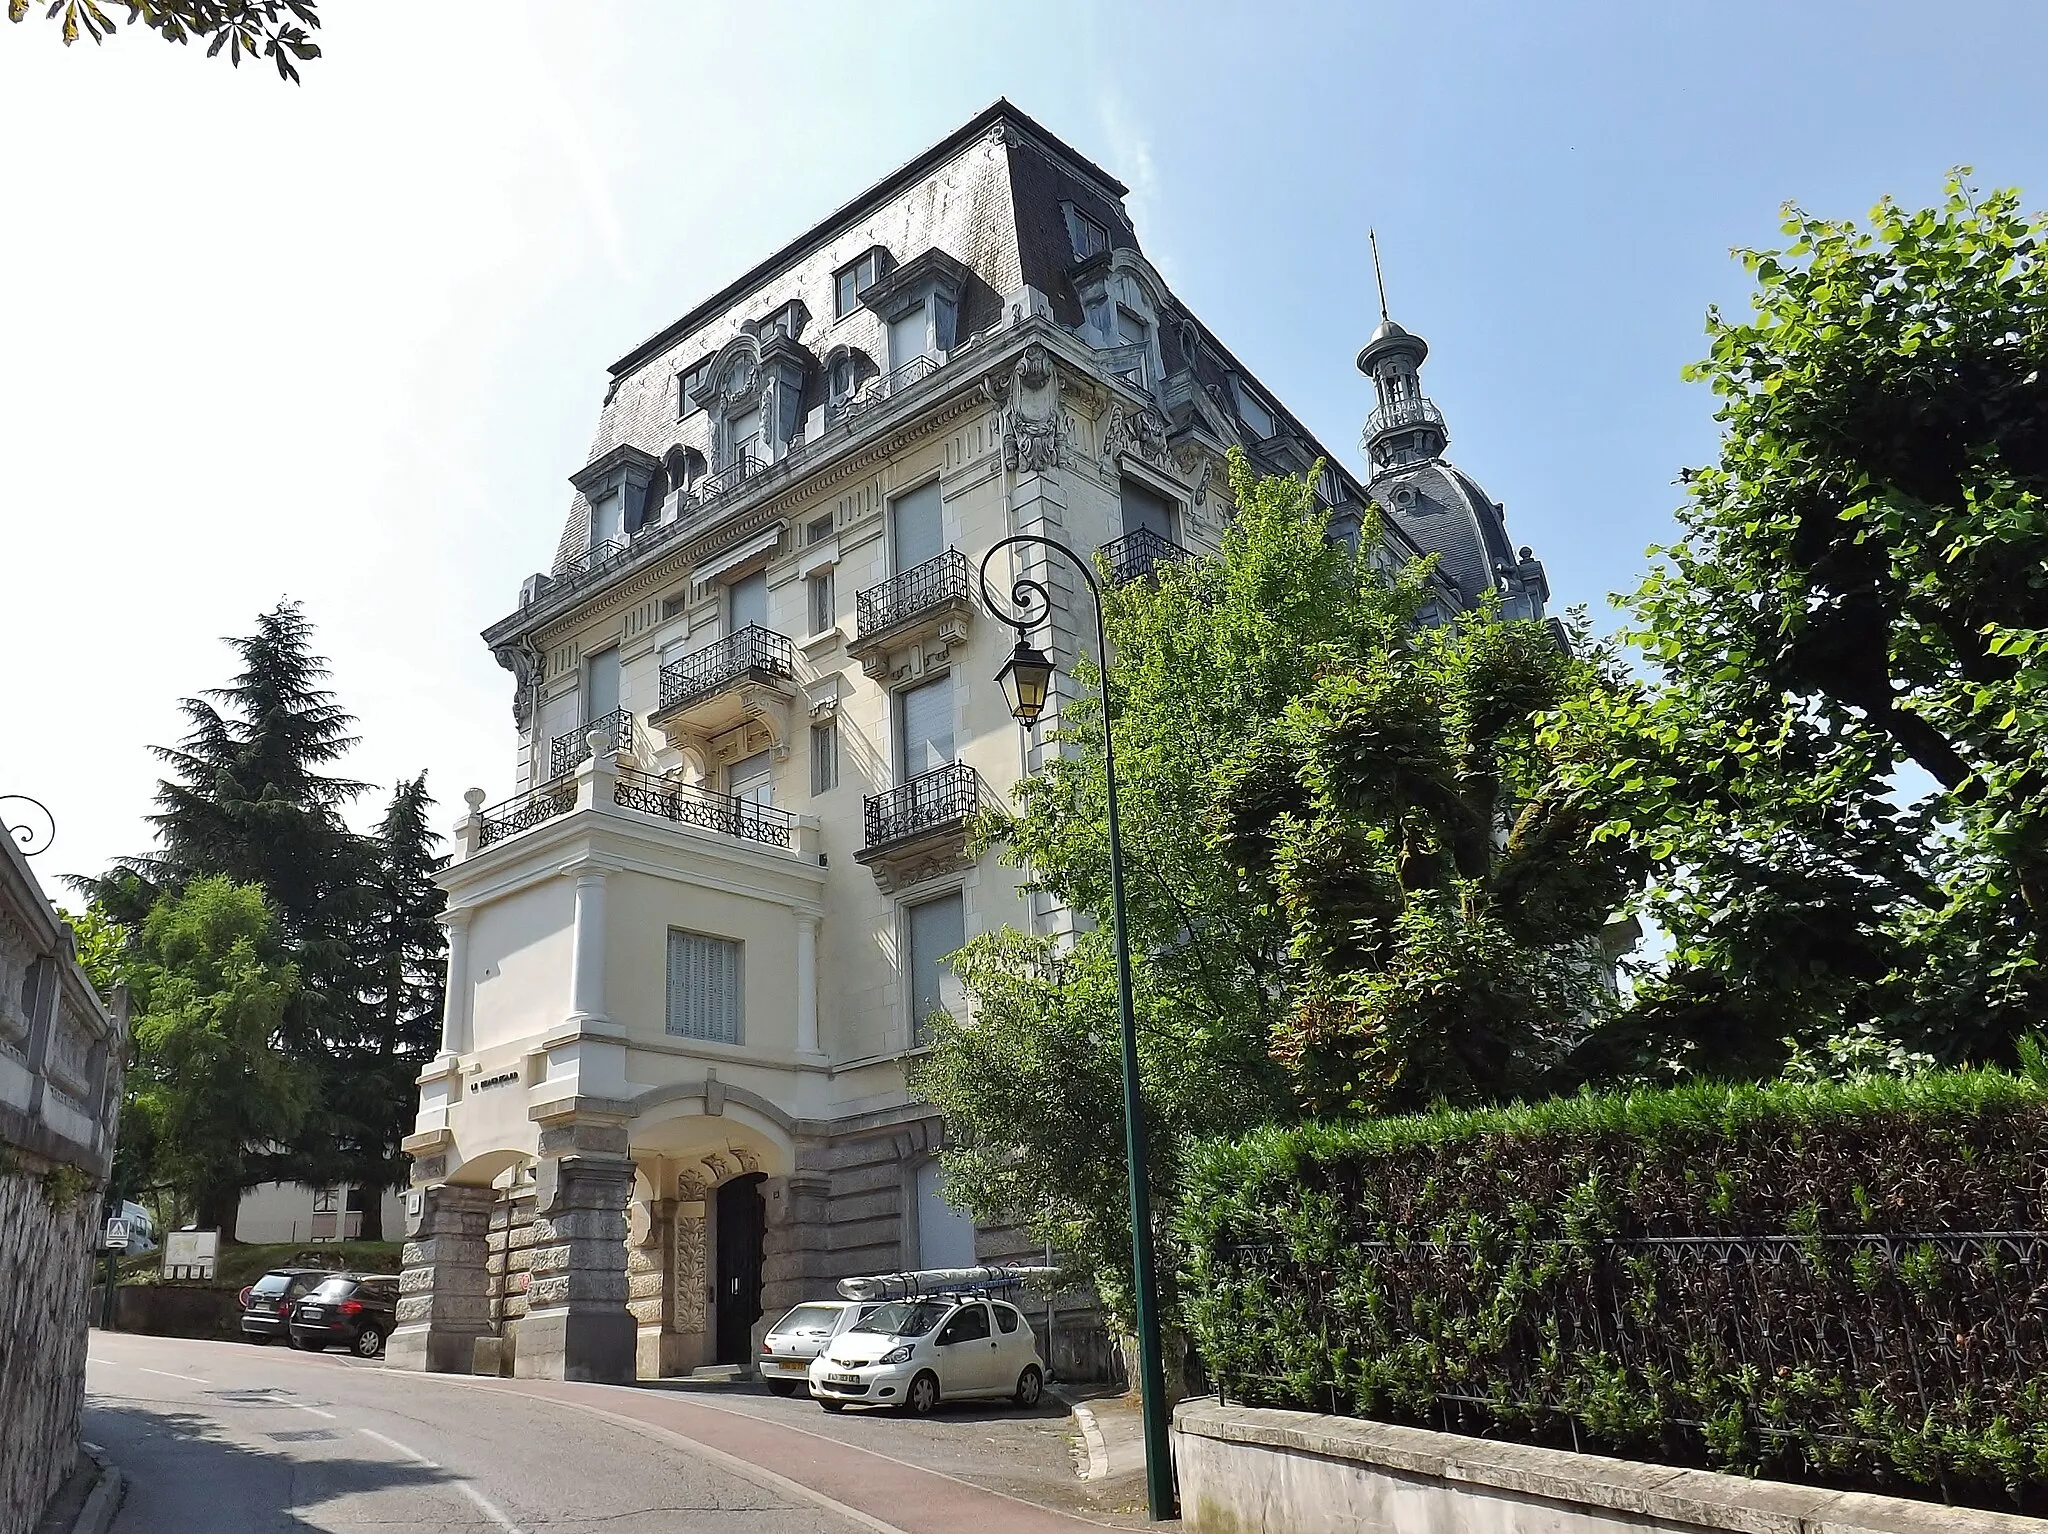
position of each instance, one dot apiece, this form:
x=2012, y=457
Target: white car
x=915, y=1353
x=800, y=1336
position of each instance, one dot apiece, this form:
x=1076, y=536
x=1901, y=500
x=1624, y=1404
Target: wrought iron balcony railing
x=1135, y=556
x=555, y=797
x=754, y=653
x=565, y=752
x=593, y=559
x=929, y=585
x=878, y=389
x=941, y=799
x=1402, y=413
x=743, y=468
x=693, y=806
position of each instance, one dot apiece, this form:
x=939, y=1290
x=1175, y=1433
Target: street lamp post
x=1027, y=679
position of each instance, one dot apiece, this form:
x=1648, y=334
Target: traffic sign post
x=116, y=1239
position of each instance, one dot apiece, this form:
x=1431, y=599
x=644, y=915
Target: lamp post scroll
x=1026, y=678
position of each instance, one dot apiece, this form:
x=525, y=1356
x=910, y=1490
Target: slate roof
x=1449, y=515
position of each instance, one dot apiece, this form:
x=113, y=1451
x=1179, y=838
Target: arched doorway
x=742, y=1219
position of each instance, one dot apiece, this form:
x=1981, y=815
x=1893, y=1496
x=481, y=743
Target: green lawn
x=243, y=1264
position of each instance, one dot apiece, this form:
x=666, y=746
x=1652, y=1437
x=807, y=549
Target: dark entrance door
x=742, y=1218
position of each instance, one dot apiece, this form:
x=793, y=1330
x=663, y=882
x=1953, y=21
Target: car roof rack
x=944, y=1283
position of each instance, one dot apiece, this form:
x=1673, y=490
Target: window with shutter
x=917, y=527
x=936, y=929
x=924, y=716
x=703, y=987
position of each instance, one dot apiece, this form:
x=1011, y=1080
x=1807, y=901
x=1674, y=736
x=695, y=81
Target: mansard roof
x=1089, y=181
x=1447, y=514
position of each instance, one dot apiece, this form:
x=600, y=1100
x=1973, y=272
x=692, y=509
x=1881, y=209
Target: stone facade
x=61, y=1057
x=690, y=959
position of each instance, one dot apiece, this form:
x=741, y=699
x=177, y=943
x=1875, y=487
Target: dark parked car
x=351, y=1310
x=267, y=1302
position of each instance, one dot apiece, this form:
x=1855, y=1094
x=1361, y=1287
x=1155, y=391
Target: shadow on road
x=185, y=1475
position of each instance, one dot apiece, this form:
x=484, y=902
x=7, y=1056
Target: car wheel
x=782, y=1387
x=1030, y=1385
x=922, y=1398
x=369, y=1342
x=831, y=1405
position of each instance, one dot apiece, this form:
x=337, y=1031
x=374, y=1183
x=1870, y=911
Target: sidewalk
x=1113, y=1430
x=897, y=1498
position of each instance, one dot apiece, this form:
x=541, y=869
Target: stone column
x=586, y=947
x=577, y=1326
x=455, y=1003
x=443, y=1303
x=807, y=985
x=793, y=1252
x=650, y=1287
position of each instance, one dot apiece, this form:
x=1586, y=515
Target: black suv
x=268, y=1302
x=355, y=1310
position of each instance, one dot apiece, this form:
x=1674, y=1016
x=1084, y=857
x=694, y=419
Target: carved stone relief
x=524, y=664
x=692, y=1187
x=1142, y=431
x=1033, y=428
x=691, y=1289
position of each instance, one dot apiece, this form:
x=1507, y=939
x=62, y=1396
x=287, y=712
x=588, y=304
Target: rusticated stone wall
x=45, y=1278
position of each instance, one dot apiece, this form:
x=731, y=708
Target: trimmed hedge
x=1839, y=1283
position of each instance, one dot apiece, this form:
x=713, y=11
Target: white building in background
x=292, y=1211
x=689, y=958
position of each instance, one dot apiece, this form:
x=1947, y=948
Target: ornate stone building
x=689, y=958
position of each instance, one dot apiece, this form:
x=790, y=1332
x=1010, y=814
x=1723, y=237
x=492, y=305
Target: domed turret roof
x=1447, y=514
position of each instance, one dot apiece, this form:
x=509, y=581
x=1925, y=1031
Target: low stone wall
x=1247, y=1470
x=172, y=1310
x=45, y=1254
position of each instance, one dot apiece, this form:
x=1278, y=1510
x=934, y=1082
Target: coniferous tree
x=249, y=799
x=402, y=947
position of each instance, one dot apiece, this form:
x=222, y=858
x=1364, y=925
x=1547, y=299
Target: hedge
x=1843, y=1283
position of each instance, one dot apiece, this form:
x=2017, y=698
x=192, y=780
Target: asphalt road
x=223, y=1438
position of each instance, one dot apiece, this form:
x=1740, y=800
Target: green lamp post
x=1026, y=679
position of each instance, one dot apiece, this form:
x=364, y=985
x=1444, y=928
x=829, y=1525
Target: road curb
x=104, y=1500
x=1091, y=1436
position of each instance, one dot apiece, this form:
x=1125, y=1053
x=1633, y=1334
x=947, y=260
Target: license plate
x=311, y=1311
x=842, y=1379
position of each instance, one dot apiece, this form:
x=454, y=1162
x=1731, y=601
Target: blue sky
x=346, y=342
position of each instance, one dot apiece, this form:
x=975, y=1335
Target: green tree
x=1856, y=608
x=213, y=1088
x=1225, y=670
x=278, y=30
x=372, y=1086
x=249, y=798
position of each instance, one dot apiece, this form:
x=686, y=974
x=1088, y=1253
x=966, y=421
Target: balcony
x=689, y=805
x=1136, y=556
x=723, y=685
x=932, y=602
x=1400, y=415
x=567, y=750
x=877, y=390
x=553, y=798
x=743, y=468
x=918, y=829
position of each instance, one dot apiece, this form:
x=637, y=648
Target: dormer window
x=919, y=303
x=1251, y=410
x=689, y=383
x=1133, y=331
x=852, y=281
x=787, y=322
x=1087, y=237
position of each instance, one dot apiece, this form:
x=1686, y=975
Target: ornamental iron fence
x=901, y=598
x=691, y=805
x=753, y=654
x=553, y=798
x=942, y=799
x=743, y=467
x=567, y=752
x=1136, y=555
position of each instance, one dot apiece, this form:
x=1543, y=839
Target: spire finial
x=1377, y=276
